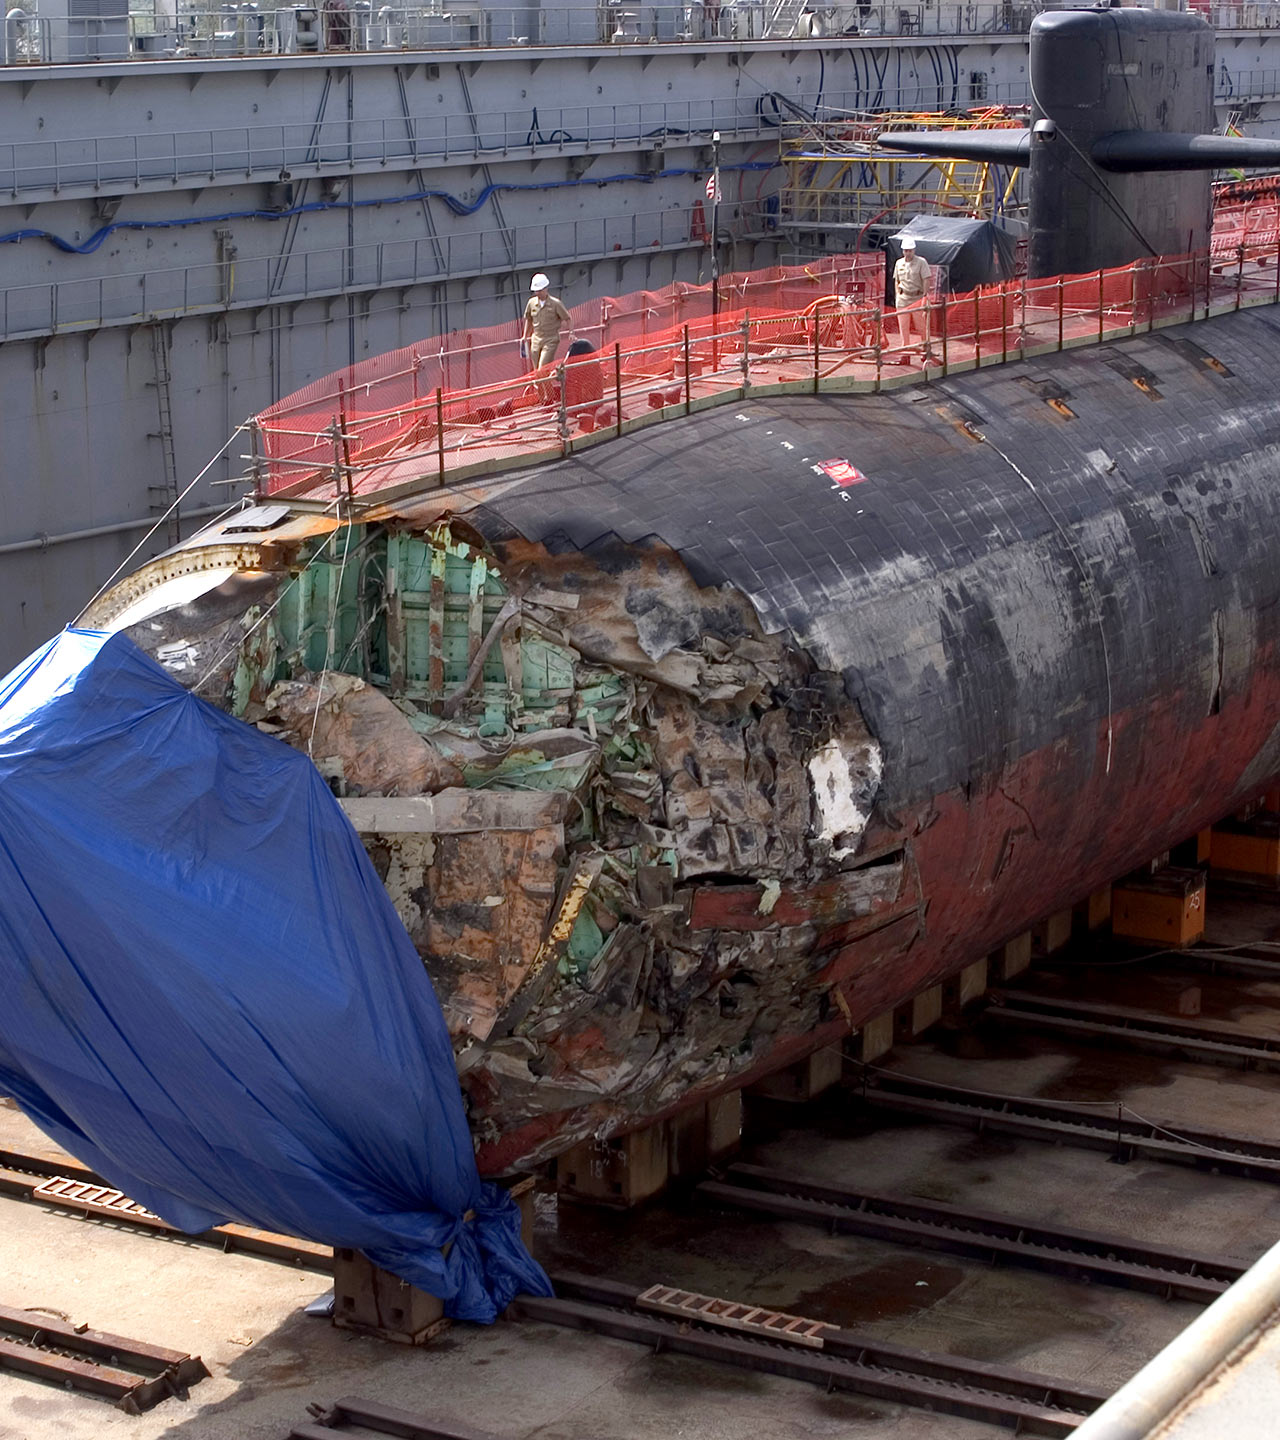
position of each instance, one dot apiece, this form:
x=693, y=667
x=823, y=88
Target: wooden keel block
x=1189, y=1000
x=1163, y=909
x=687, y=1136
x=1193, y=851
x=919, y=1013
x=724, y=1126
x=1247, y=849
x=1052, y=933
x=964, y=987
x=1013, y=957
x=803, y=1081
x=521, y=1190
x=876, y=1038
x=1094, y=911
x=972, y=982
x=622, y=1171
x=377, y=1303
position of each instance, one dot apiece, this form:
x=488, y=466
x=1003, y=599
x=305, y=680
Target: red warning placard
x=841, y=471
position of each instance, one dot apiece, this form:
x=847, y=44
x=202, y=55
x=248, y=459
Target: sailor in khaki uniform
x=911, y=292
x=543, y=317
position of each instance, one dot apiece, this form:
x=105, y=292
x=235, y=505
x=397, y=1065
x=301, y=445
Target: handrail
x=244, y=29
x=237, y=29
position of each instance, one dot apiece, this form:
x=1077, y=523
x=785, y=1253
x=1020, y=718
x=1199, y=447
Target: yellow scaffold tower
x=838, y=177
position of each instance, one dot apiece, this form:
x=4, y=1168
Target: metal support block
x=1162, y=909
x=375, y=1302
x=1247, y=850
x=724, y=1126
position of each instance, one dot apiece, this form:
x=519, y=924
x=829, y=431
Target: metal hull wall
x=1061, y=631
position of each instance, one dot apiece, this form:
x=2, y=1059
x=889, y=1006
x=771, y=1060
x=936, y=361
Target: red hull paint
x=1055, y=825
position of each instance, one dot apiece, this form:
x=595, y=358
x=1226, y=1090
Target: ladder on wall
x=166, y=495
x=784, y=16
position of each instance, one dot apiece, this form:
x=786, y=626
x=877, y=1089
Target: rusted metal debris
x=625, y=828
x=134, y=1377
x=354, y=1412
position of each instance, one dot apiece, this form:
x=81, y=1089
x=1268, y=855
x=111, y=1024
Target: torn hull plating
x=871, y=730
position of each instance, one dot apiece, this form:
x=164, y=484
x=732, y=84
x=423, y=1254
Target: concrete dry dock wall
x=280, y=245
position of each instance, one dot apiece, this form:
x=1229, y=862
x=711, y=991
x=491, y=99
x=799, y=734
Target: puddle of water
x=672, y=1373
x=1100, y=1074
x=894, y=1288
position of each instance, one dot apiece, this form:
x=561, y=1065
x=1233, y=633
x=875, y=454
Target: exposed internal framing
x=622, y=824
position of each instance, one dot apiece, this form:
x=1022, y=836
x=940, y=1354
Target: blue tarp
x=208, y=996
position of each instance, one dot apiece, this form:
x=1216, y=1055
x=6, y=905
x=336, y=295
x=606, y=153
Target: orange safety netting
x=358, y=413
x=465, y=400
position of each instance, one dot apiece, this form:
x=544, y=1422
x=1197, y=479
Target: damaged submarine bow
x=679, y=762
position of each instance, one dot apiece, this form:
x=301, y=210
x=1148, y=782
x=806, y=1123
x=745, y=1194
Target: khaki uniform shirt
x=544, y=316
x=910, y=280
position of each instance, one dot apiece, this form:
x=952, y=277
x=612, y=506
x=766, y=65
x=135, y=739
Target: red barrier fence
x=408, y=419
x=379, y=400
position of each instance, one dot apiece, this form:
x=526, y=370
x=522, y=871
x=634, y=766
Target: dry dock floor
x=519, y=1380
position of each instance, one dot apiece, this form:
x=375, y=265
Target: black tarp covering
x=976, y=252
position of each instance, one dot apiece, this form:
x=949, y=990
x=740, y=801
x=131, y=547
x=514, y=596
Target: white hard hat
x=907, y=244
x=539, y=282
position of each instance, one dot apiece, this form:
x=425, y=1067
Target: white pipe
x=1153, y=1394
x=15, y=25
x=43, y=542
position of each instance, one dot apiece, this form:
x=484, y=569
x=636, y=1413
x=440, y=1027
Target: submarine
x=682, y=762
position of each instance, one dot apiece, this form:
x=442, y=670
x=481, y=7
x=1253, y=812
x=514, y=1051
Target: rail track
x=132, y=1375
x=665, y=1319
x=1118, y=1025
x=1092, y=1126
x=64, y=1185
x=995, y=1239
x=1259, y=961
